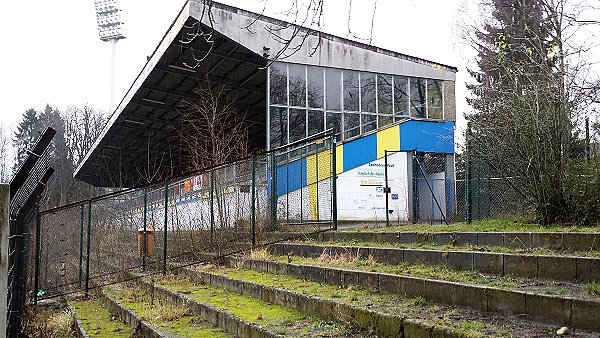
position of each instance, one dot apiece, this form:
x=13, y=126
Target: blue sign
x=394, y=196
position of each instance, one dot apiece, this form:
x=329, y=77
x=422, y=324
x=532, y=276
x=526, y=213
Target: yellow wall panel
x=388, y=139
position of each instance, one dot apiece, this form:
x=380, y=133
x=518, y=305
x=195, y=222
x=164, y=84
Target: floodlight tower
x=110, y=28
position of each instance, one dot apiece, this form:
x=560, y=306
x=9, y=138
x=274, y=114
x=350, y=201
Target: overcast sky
x=51, y=52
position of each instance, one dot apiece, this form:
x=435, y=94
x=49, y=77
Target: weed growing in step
x=593, y=288
x=47, y=322
x=419, y=300
x=555, y=292
x=508, y=224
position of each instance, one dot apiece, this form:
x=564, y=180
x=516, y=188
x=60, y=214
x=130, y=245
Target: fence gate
x=419, y=187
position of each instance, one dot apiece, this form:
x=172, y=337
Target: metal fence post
x=468, y=164
x=165, y=227
x=37, y=256
x=387, y=189
x=81, y=244
x=301, y=176
x=253, y=201
x=415, y=188
x=144, y=244
x=334, y=185
x=273, y=190
x=316, y=182
x=212, y=201
x=87, y=258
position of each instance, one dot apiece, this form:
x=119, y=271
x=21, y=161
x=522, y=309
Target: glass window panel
x=278, y=126
x=278, y=83
x=315, y=87
x=434, y=99
x=417, y=97
x=384, y=94
x=333, y=80
x=334, y=121
x=350, y=90
x=351, y=125
x=315, y=122
x=297, y=75
x=384, y=120
x=369, y=122
x=401, y=95
x=367, y=92
x=297, y=124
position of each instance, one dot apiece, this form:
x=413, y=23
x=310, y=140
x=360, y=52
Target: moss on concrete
x=167, y=318
x=513, y=224
x=420, y=270
x=367, y=299
x=275, y=318
x=98, y=322
x=467, y=248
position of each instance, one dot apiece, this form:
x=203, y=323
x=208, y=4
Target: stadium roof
x=229, y=48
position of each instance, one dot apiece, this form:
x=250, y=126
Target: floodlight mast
x=110, y=28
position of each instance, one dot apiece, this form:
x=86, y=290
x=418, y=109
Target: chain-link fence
x=281, y=194
x=483, y=195
x=432, y=188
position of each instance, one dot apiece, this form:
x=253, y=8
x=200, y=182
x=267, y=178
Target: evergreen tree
x=28, y=131
x=522, y=127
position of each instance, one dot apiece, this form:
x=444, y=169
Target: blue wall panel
x=424, y=136
x=291, y=171
x=360, y=151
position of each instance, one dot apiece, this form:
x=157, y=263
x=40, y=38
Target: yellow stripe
x=388, y=139
x=339, y=159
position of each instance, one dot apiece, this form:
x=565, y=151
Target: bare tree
x=214, y=129
x=5, y=160
x=532, y=90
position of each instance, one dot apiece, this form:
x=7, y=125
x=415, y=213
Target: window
x=434, y=99
x=315, y=122
x=417, y=97
x=278, y=83
x=278, y=126
x=369, y=122
x=334, y=121
x=400, y=96
x=333, y=79
x=351, y=124
x=367, y=92
x=297, y=85
x=350, y=91
x=315, y=87
x=384, y=99
x=297, y=124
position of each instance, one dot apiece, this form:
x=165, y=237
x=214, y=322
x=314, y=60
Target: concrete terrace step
x=92, y=319
x=385, y=314
x=241, y=315
x=132, y=306
x=561, y=268
x=572, y=312
x=575, y=241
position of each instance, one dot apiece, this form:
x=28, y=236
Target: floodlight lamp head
x=108, y=18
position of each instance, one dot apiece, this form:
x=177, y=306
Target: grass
x=270, y=316
x=421, y=270
x=98, y=322
x=42, y=322
x=492, y=225
x=450, y=247
x=357, y=296
x=168, y=318
x=593, y=288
